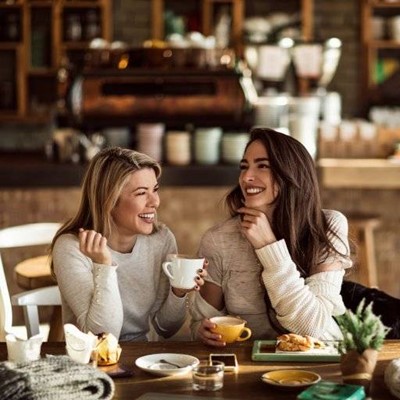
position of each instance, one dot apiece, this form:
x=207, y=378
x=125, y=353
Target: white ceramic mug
x=182, y=270
x=79, y=345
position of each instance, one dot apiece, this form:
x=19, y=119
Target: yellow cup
x=231, y=328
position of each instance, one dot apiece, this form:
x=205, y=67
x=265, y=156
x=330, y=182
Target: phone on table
x=229, y=359
x=117, y=371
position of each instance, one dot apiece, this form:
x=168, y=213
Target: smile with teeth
x=254, y=190
x=147, y=216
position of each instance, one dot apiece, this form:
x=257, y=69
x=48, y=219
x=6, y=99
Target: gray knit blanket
x=53, y=378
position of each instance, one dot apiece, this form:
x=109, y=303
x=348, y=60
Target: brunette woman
x=279, y=261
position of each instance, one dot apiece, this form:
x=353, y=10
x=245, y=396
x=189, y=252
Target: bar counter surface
x=245, y=384
x=34, y=170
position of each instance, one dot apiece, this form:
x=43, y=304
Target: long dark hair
x=298, y=217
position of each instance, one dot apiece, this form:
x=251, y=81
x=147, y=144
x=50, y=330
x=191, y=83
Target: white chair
x=20, y=236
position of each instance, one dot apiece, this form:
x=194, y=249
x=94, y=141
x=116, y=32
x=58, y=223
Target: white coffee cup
x=79, y=345
x=23, y=350
x=182, y=270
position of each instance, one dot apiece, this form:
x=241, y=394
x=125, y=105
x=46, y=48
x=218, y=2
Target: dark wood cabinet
x=380, y=33
x=36, y=39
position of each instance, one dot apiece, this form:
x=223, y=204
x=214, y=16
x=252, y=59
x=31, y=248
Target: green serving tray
x=264, y=350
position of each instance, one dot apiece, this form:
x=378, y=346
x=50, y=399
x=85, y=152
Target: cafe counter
x=33, y=170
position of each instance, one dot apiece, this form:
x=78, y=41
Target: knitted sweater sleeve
x=90, y=289
x=304, y=306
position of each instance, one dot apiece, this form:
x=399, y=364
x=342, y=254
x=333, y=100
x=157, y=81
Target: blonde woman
x=107, y=259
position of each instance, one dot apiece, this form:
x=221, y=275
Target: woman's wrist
x=179, y=292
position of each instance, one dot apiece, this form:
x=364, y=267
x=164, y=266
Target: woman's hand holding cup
x=185, y=273
x=218, y=331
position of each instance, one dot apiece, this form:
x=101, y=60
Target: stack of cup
x=233, y=146
x=177, y=147
x=149, y=139
x=206, y=145
x=303, y=121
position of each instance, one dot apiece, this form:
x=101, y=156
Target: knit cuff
x=273, y=254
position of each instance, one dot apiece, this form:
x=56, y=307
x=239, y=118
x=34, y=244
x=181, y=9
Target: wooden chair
x=21, y=236
x=361, y=228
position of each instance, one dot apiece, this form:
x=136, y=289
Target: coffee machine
x=292, y=81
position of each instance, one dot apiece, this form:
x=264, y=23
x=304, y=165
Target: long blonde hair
x=107, y=174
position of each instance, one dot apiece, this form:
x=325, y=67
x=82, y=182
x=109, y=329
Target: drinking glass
x=208, y=376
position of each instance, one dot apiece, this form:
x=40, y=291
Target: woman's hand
x=202, y=273
x=256, y=227
x=94, y=245
x=206, y=336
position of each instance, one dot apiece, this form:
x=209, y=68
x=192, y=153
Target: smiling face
x=256, y=179
x=136, y=207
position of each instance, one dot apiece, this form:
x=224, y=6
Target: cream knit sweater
x=304, y=306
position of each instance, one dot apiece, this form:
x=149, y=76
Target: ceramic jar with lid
x=149, y=139
x=207, y=145
x=233, y=146
x=177, y=147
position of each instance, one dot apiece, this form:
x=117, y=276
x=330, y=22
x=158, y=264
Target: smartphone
x=229, y=359
x=116, y=371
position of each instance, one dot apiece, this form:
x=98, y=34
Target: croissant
x=294, y=342
x=108, y=349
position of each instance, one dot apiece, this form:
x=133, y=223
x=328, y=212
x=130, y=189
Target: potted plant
x=363, y=336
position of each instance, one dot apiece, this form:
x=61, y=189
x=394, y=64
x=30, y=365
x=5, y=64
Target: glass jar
x=12, y=27
x=92, y=25
x=74, y=27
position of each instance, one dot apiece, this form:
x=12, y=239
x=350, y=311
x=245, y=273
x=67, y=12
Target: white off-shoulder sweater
x=304, y=306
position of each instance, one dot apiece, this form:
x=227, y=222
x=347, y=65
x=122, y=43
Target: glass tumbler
x=208, y=376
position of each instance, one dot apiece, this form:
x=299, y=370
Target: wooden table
x=246, y=384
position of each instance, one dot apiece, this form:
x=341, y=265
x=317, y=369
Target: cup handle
x=166, y=270
x=242, y=338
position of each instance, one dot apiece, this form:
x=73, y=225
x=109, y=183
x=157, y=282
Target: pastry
x=108, y=349
x=294, y=342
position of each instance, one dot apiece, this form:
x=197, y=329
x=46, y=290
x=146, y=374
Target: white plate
x=152, y=363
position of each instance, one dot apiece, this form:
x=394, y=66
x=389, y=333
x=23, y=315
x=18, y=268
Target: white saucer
x=152, y=363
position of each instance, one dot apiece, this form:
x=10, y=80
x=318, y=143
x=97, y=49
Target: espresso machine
x=292, y=81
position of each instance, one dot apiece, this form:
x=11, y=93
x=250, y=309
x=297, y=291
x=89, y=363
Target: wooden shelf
x=359, y=173
x=374, y=50
x=33, y=170
x=385, y=4
x=9, y=45
x=81, y=4
x=44, y=72
x=19, y=170
x=384, y=44
x=42, y=25
x=206, y=10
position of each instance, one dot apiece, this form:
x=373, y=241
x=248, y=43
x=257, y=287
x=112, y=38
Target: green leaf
x=361, y=330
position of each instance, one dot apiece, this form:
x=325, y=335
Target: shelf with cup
x=34, y=171
x=227, y=15
x=11, y=55
x=380, y=32
x=206, y=14
x=35, y=38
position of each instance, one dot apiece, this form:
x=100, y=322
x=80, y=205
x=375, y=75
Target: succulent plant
x=361, y=330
